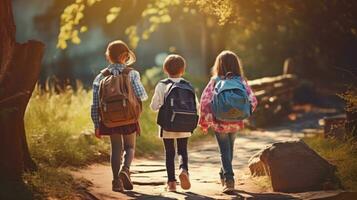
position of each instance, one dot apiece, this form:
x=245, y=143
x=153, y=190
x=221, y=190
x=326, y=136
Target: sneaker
x=117, y=185
x=229, y=186
x=184, y=180
x=171, y=186
x=124, y=176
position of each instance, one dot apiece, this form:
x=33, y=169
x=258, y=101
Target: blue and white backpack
x=230, y=100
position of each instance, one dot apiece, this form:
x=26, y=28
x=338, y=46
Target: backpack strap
x=127, y=70
x=105, y=72
x=166, y=81
x=184, y=81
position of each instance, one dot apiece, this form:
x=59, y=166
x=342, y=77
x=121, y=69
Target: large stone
x=294, y=167
x=256, y=166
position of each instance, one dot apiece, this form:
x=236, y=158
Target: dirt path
x=149, y=176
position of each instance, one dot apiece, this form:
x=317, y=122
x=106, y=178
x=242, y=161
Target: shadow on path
x=240, y=194
x=141, y=196
x=194, y=196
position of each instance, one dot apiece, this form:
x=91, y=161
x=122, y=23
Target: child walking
x=116, y=109
x=175, y=100
x=225, y=113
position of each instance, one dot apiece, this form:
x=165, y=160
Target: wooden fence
x=275, y=97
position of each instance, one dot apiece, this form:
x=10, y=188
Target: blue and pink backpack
x=230, y=100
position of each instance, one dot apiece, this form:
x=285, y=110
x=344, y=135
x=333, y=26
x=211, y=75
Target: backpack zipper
x=183, y=113
x=172, y=102
x=105, y=107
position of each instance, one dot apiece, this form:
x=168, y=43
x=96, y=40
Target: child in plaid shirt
x=119, y=56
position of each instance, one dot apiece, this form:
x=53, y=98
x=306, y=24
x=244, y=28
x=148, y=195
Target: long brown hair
x=118, y=48
x=227, y=61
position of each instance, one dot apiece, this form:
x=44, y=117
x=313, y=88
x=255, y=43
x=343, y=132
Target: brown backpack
x=118, y=104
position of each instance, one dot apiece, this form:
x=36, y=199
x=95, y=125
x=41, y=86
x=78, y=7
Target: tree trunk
x=19, y=71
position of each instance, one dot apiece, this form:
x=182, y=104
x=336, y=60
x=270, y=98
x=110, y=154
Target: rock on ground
x=293, y=167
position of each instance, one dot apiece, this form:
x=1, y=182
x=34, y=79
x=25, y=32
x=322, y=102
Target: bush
x=48, y=183
x=343, y=154
x=350, y=98
x=58, y=128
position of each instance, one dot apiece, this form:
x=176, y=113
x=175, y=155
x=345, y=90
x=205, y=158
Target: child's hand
x=204, y=130
x=97, y=134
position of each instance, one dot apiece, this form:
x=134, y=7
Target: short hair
x=174, y=64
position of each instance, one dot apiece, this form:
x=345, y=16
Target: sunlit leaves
x=113, y=14
x=83, y=29
x=221, y=9
x=155, y=14
x=75, y=38
x=70, y=22
x=131, y=31
x=92, y=2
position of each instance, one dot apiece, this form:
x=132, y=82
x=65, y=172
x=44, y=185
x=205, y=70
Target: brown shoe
x=223, y=182
x=171, y=186
x=117, y=185
x=229, y=186
x=124, y=176
x=184, y=180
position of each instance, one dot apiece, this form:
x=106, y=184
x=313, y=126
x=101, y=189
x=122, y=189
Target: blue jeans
x=226, y=147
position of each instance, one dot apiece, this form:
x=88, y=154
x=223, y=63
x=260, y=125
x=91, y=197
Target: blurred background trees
x=318, y=37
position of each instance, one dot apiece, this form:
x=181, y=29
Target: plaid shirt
x=115, y=69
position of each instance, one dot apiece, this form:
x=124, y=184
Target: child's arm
x=158, y=99
x=137, y=85
x=206, y=118
x=252, y=98
x=95, y=104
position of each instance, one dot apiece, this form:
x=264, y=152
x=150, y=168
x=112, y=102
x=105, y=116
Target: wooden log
x=262, y=83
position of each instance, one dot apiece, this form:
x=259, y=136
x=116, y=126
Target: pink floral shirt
x=207, y=120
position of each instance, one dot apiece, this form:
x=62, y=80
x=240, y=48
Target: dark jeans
x=170, y=156
x=226, y=147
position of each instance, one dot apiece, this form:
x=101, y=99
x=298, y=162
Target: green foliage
x=148, y=143
x=350, y=97
x=263, y=33
x=156, y=12
x=152, y=76
x=59, y=128
x=70, y=22
x=341, y=153
x=223, y=10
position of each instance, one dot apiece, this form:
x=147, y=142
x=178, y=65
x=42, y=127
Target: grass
x=59, y=127
x=50, y=182
x=342, y=153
